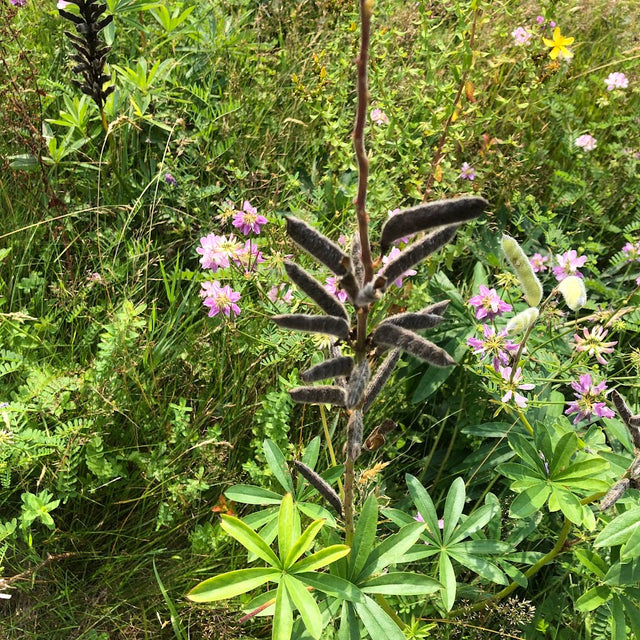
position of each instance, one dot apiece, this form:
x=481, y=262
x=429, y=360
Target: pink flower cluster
x=467, y=172
x=616, y=80
x=514, y=382
x=568, y=265
x=593, y=342
x=589, y=399
x=586, y=142
x=521, y=36
x=632, y=251
x=494, y=344
x=220, y=299
x=488, y=304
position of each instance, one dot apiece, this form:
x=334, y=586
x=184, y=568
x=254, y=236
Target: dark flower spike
x=358, y=383
x=319, y=246
x=333, y=368
x=320, y=485
x=307, y=283
x=379, y=435
x=632, y=422
x=319, y=395
x=414, y=321
x=387, y=335
x=338, y=327
x=383, y=373
x=416, y=252
x=430, y=215
x=354, y=435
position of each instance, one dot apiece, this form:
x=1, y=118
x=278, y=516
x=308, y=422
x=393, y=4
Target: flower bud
x=521, y=266
x=522, y=322
x=573, y=292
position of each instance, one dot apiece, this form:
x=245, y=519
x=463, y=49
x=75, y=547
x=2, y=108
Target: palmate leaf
x=401, y=583
x=364, y=536
x=277, y=464
x=453, y=507
x=320, y=558
x=288, y=526
x=306, y=605
x=233, y=583
x=283, y=615
x=620, y=529
x=248, y=538
x=250, y=494
x=303, y=543
x=377, y=621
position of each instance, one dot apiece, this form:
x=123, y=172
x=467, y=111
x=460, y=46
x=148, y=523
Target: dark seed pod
x=319, y=395
x=416, y=252
x=379, y=435
x=414, y=321
x=358, y=383
x=431, y=215
x=387, y=335
x=314, y=324
x=336, y=367
x=320, y=485
x=319, y=246
x=614, y=494
x=307, y=283
x=349, y=283
x=356, y=258
x=383, y=373
x=354, y=435
x=632, y=422
x=371, y=292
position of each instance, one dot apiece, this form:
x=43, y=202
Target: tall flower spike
x=92, y=52
x=521, y=266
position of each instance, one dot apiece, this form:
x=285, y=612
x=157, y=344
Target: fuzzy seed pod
x=379, y=435
x=320, y=485
x=383, y=373
x=437, y=308
x=319, y=395
x=521, y=266
x=336, y=367
x=614, y=494
x=632, y=422
x=431, y=215
x=522, y=322
x=414, y=321
x=357, y=383
x=307, y=283
x=370, y=293
x=314, y=324
x=416, y=252
x=349, y=283
x=387, y=335
x=356, y=258
x=573, y=292
x=354, y=435
x=319, y=246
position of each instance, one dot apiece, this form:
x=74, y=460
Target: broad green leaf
x=517, y=471
x=530, y=500
x=483, y=547
x=592, y=485
x=277, y=464
x=249, y=539
x=332, y=585
x=283, y=615
x=310, y=455
x=401, y=584
x=287, y=533
x=620, y=574
x=249, y=494
x=303, y=543
x=349, y=627
x=260, y=518
x=618, y=626
x=633, y=615
x=568, y=504
x=478, y=519
x=578, y=470
x=364, y=536
x=631, y=548
x=306, y=605
x=526, y=451
x=321, y=558
x=316, y=512
x=231, y=584
x=401, y=518
x=377, y=621
x=481, y=566
x=448, y=579
x=424, y=504
x=515, y=574
x=453, y=507
x=593, y=598
x=619, y=530
x=563, y=452
x=418, y=552
x=592, y=561
x=265, y=598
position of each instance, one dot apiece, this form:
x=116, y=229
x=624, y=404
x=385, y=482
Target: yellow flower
x=559, y=45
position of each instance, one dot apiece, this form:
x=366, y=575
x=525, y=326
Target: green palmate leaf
x=260, y=518
x=453, y=507
x=448, y=579
x=283, y=615
x=231, y=584
x=364, y=536
x=277, y=464
x=592, y=561
x=579, y=470
x=287, y=533
x=517, y=471
x=310, y=456
x=478, y=565
x=530, y=500
x=526, y=451
x=349, y=627
x=515, y=574
x=248, y=538
x=593, y=598
x=303, y=543
x=483, y=547
x=592, y=485
x=478, y=519
x=401, y=584
x=619, y=530
x=631, y=548
x=321, y=558
x=567, y=502
x=424, y=504
x=316, y=512
x=563, y=452
x=306, y=605
x=377, y=621
x=249, y=494
x=332, y=585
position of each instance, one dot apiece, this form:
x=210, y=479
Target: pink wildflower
x=513, y=385
x=521, y=36
x=632, y=251
x=616, y=80
x=586, y=142
x=18, y=3
x=467, y=172
x=488, y=304
x=593, y=343
x=248, y=220
x=590, y=399
x=394, y=253
x=216, y=251
x=333, y=287
x=378, y=116
x=538, y=262
x=220, y=299
x=249, y=256
x=278, y=293
x=568, y=265
x=495, y=344
x=169, y=179
x=62, y=4
x=404, y=240
x=540, y=19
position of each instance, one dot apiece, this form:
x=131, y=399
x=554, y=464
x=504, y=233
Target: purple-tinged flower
x=488, y=304
x=467, y=172
x=169, y=179
x=220, y=299
x=342, y=240
x=216, y=251
x=405, y=239
x=418, y=518
x=18, y=3
x=552, y=24
x=378, y=116
x=332, y=285
x=394, y=253
x=280, y=293
x=513, y=384
x=494, y=344
x=593, y=343
x=62, y=4
x=248, y=220
x=616, y=80
x=631, y=251
x=520, y=36
x=538, y=262
x=249, y=256
x=544, y=460
x=590, y=399
x=540, y=19
x=586, y=142
x=568, y=265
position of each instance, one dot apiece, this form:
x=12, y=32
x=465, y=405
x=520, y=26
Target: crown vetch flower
x=18, y=3
x=248, y=220
x=538, y=262
x=589, y=399
x=520, y=36
x=632, y=251
x=558, y=45
x=593, y=343
x=488, y=304
x=494, y=344
x=513, y=384
x=220, y=299
x=616, y=80
x=216, y=251
x=332, y=285
x=169, y=179
x=568, y=265
x=249, y=256
x=586, y=142
x=467, y=172
x=280, y=293
x=394, y=253
x=378, y=116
